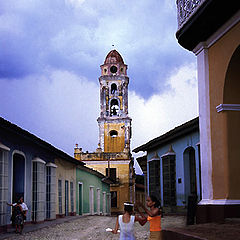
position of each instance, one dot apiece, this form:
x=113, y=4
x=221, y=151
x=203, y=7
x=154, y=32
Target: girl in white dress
x=126, y=223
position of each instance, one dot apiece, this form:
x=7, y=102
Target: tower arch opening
x=114, y=107
x=113, y=133
x=113, y=88
x=231, y=96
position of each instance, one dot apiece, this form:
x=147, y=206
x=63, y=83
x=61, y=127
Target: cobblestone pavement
x=93, y=227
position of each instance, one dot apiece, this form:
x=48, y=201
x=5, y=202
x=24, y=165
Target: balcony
x=185, y=9
x=198, y=20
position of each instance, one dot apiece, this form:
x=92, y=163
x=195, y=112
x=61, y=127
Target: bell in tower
x=114, y=123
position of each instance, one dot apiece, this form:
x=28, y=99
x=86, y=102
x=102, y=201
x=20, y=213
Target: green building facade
x=92, y=192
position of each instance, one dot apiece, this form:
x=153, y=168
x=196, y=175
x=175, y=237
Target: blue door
x=18, y=177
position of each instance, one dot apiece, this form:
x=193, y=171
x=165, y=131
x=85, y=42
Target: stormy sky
x=50, y=57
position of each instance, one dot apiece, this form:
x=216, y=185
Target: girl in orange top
x=154, y=216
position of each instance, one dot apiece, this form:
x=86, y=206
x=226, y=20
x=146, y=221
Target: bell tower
x=114, y=122
x=112, y=158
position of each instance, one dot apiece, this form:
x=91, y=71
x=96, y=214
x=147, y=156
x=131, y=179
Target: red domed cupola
x=113, y=64
x=113, y=57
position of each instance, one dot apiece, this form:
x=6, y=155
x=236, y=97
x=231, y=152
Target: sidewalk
x=33, y=227
x=229, y=230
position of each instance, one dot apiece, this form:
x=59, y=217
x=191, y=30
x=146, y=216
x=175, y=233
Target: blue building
x=173, y=165
x=44, y=175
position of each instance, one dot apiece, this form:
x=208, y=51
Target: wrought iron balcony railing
x=185, y=9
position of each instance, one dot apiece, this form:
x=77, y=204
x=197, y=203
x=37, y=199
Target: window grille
x=38, y=191
x=34, y=192
x=154, y=177
x=66, y=198
x=48, y=192
x=3, y=186
x=60, y=196
x=169, y=180
x=71, y=196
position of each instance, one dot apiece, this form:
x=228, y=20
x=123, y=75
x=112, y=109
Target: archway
x=114, y=107
x=190, y=178
x=18, y=176
x=231, y=99
x=113, y=88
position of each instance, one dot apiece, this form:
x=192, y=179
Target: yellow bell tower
x=112, y=157
x=114, y=123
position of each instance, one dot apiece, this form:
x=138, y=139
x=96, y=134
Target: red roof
x=113, y=57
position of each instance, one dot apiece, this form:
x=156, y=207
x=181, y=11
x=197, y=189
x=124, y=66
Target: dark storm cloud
x=76, y=35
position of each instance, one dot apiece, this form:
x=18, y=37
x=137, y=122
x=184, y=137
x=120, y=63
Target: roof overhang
x=209, y=17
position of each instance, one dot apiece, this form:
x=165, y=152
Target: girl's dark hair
x=19, y=201
x=155, y=199
x=128, y=208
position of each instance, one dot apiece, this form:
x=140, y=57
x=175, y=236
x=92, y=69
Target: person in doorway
x=24, y=210
x=126, y=223
x=154, y=216
x=18, y=217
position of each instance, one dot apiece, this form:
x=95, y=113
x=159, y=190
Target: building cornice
x=4, y=147
x=228, y=107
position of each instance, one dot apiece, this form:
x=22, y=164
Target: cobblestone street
x=93, y=227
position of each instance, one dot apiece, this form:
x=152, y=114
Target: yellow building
x=216, y=43
x=66, y=186
x=112, y=157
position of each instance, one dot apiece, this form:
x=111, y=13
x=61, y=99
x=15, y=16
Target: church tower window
x=113, y=133
x=113, y=88
x=114, y=107
x=113, y=69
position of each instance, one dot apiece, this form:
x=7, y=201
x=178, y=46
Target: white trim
x=219, y=202
x=50, y=164
x=154, y=159
x=98, y=201
x=219, y=33
x=204, y=122
x=104, y=209
x=228, y=107
x=168, y=154
x=91, y=200
x=4, y=147
x=197, y=144
x=37, y=159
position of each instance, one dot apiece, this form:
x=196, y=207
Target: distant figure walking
x=154, y=216
x=126, y=223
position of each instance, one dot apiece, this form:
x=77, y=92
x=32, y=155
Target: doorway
x=18, y=177
x=190, y=178
x=80, y=199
